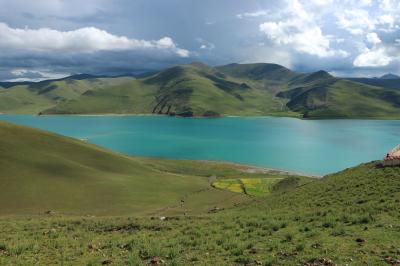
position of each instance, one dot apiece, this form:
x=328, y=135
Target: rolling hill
x=388, y=81
x=42, y=171
x=151, y=210
x=200, y=90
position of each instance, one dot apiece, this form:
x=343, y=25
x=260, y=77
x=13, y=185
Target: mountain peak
x=321, y=73
x=390, y=76
x=199, y=64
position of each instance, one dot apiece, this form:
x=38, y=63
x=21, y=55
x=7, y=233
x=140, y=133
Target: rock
x=360, y=240
x=392, y=261
x=156, y=261
x=50, y=231
x=106, y=262
x=320, y=262
x=253, y=251
x=214, y=210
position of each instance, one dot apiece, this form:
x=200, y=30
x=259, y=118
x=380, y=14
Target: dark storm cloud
x=123, y=36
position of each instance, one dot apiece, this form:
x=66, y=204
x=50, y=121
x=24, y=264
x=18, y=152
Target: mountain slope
x=320, y=95
x=41, y=171
x=389, y=76
x=351, y=217
x=201, y=90
x=190, y=90
x=35, y=97
x=344, y=99
x=259, y=71
x=391, y=83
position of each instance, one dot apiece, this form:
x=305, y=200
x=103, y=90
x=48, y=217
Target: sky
x=44, y=39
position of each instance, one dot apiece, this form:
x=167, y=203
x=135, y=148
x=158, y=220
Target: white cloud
x=389, y=5
x=322, y=2
x=254, y=14
x=373, y=58
x=355, y=21
x=22, y=74
x=88, y=39
x=386, y=19
x=298, y=29
x=205, y=45
x=373, y=38
x=364, y=3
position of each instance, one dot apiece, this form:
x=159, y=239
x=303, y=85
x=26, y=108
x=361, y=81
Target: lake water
x=307, y=146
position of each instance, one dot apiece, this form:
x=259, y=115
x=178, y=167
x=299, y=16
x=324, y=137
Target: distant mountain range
x=389, y=81
x=201, y=90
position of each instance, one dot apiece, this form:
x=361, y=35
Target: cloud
x=386, y=19
x=82, y=40
x=322, y=2
x=373, y=38
x=205, y=45
x=125, y=36
x=21, y=74
x=254, y=14
x=373, y=58
x=355, y=21
x=297, y=28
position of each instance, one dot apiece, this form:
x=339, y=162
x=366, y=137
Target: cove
x=307, y=146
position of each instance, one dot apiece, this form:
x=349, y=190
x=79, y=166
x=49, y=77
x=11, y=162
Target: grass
x=347, y=99
x=351, y=217
x=41, y=171
x=118, y=210
x=200, y=90
x=259, y=186
x=233, y=185
x=248, y=186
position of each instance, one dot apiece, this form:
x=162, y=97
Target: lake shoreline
x=221, y=116
x=263, y=143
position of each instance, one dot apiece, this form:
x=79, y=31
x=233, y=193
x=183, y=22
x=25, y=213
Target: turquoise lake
x=307, y=146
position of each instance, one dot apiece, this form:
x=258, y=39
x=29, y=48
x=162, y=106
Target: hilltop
x=200, y=90
x=350, y=217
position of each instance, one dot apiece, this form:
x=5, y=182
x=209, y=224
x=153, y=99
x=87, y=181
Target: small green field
x=261, y=186
x=248, y=186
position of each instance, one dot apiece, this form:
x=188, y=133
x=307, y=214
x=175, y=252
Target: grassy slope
x=41, y=171
x=33, y=98
x=319, y=95
x=124, y=97
x=346, y=99
x=351, y=217
x=385, y=83
x=21, y=100
x=183, y=90
x=198, y=90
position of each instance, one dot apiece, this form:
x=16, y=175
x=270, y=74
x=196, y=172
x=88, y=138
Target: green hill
x=344, y=99
x=201, y=90
x=41, y=171
x=320, y=95
x=389, y=83
x=351, y=217
x=169, y=209
x=190, y=90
